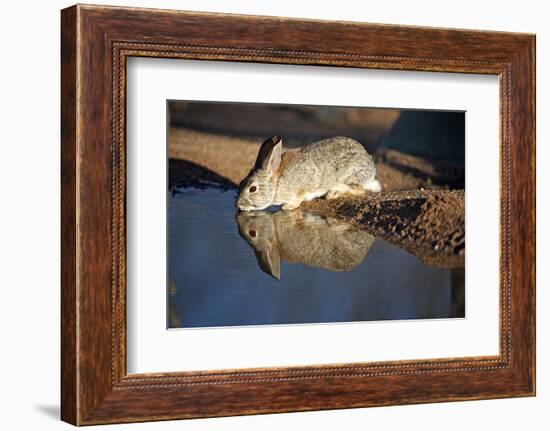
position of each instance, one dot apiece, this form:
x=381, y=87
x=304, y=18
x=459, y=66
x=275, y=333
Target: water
x=265, y=268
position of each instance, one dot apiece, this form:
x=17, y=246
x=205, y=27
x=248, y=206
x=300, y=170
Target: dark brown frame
x=96, y=41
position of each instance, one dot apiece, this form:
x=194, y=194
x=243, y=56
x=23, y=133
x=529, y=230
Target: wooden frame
x=96, y=41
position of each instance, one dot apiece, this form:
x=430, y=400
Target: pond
x=278, y=268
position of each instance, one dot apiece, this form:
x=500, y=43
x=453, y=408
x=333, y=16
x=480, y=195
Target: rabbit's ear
x=269, y=261
x=269, y=156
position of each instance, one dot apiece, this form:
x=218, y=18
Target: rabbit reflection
x=302, y=237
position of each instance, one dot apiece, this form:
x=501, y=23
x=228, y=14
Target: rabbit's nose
x=239, y=204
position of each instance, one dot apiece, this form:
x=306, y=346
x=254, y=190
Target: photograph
x=282, y=214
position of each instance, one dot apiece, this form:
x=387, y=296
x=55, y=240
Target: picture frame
x=96, y=42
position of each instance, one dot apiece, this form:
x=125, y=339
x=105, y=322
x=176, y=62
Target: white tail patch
x=372, y=185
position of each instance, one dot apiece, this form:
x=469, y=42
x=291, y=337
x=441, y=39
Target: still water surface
x=265, y=268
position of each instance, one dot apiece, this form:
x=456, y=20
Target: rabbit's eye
x=252, y=233
x=252, y=189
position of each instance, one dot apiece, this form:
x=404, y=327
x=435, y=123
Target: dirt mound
x=428, y=223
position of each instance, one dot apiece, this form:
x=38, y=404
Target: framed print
x=278, y=215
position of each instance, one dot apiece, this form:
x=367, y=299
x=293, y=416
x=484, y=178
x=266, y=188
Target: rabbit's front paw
x=291, y=206
x=343, y=190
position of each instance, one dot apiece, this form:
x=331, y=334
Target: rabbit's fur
x=301, y=237
x=331, y=168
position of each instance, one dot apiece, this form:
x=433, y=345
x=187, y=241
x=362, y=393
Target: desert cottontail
x=331, y=168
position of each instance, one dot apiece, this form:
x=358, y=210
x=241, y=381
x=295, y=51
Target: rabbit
x=302, y=237
x=331, y=168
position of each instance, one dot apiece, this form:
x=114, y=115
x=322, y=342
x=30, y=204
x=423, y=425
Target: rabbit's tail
x=372, y=185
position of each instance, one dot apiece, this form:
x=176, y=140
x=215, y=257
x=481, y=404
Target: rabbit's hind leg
x=343, y=190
